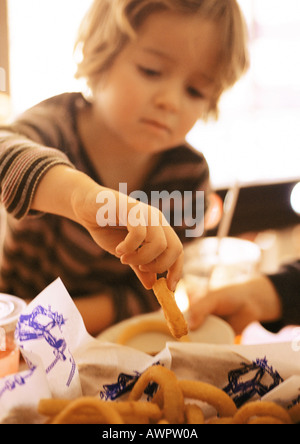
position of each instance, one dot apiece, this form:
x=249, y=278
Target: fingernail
x=173, y=285
x=119, y=251
x=123, y=260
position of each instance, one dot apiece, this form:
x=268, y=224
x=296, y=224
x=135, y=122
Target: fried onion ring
x=193, y=414
x=137, y=409
x=145, y=326
x=174, y=317
x=52, y=407
x=219, y=421
x=265, y=420
x=87, y=411
x=294, y=413
x=173, y=402
x=209, y=394
x=258, y=408
x=84, y=410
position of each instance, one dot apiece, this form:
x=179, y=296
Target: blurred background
x=256, y=140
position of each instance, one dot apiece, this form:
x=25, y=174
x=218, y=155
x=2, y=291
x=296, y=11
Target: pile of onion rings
x=175, y=402
x=174, y=317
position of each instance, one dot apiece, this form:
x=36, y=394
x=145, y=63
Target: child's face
x=160, y=84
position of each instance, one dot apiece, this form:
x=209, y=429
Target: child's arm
x=149, y=249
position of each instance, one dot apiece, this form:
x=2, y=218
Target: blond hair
x=110, y=24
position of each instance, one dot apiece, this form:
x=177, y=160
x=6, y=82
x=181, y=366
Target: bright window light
x=257, y=136
x=295, y=198
x=256, y=139
x=42, y=36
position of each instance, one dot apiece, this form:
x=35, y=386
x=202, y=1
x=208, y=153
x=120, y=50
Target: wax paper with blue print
x=64, y=361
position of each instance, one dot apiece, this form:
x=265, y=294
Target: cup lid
x=10, y=310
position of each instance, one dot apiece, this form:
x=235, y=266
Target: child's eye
x=149, y=72
x=195, y=93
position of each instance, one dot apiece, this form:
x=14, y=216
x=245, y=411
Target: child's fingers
x=137, y=229
x=133, y=240
x=147, y=279
x=154, y=245
x=168, y=257
x=175, y=272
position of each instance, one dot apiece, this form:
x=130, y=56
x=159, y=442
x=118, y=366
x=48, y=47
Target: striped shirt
x=39, y=248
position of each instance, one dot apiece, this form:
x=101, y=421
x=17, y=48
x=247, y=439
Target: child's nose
x=169, y=99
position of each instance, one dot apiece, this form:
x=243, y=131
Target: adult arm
x=287, y=284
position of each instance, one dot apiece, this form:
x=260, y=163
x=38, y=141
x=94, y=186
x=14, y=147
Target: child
x=153, y=68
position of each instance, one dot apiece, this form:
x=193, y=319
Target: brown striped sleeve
x=22, y=164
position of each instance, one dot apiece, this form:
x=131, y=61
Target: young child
x=153, y=68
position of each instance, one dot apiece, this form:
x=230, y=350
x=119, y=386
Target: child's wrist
x=83, y=199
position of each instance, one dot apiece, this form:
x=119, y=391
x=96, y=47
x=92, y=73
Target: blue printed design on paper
x=294, y=402
x=40, y=325
x=257, y=378
x=14, y=381
x=124, y=384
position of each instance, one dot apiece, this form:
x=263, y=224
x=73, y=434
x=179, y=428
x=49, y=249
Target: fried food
x=88, y=410
x=219, y=421
x=175, y=402
x=211, y=395
x=52, y=407
x=174, y=317
x=193, y=414
x=145, y=326
x=265, y=420
x=294, y=413
x=138, y=409
x=257, y=409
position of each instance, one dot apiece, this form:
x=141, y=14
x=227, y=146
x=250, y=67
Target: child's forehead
x=176, y=37
x=168, y=24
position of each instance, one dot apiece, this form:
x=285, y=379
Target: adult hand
x=239, y=304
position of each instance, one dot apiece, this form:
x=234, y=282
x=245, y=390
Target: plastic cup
x=10, y=309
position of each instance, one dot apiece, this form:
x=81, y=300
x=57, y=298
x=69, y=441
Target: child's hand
x=136, y=233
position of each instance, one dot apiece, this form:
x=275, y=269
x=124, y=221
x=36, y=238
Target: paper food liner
x=64, y=361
